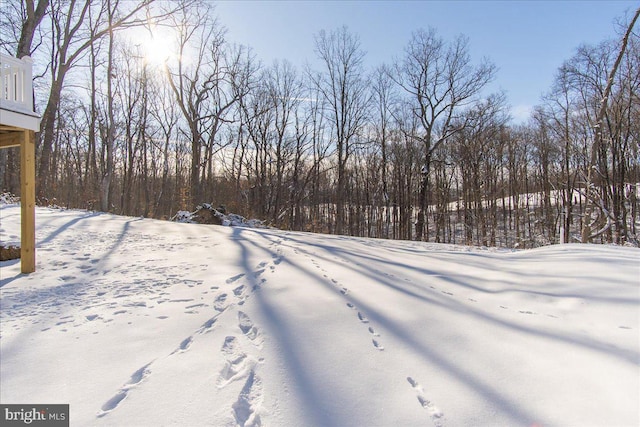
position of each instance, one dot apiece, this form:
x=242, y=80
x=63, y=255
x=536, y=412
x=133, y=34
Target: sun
x=157, y=46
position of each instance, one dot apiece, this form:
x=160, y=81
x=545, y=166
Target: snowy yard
x=137, y=322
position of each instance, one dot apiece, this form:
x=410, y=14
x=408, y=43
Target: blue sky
x=527, y=40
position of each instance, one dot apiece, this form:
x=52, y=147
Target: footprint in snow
x=363, y=318
x=220, y=303
x=235, y=362
x=247, y=407
x=136, y=378
x=437, y=417
x=206, y=326
x=234, y=278
x=184, y=345
x=247, y=327
x=195, y=306
x=377, y=345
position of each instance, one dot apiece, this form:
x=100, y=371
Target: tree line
x=413, y=149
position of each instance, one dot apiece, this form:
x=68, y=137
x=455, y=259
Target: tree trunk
x=105, y=185
x=590, y=190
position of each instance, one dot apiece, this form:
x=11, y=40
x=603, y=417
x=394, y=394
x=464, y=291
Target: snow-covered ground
x=138, y=322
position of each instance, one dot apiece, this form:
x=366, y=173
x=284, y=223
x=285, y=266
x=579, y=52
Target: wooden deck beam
x=11, y=139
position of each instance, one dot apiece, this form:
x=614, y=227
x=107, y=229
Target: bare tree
x=440, y=81
x=75, y=27
x=109, y=134
x=207, y=79
x=344, y=92
x=33, y=16
x=165, y=115
x=475, y=154
x=285, y=92
x=558, y=115
x=383, y=99
x=20, y=24
x=598, y=125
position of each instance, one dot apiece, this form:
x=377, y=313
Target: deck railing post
x=27, y=78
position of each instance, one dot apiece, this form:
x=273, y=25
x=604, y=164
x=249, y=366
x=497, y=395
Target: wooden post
x=28, y=201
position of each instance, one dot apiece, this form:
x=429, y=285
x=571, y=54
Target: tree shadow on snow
x=371, y=267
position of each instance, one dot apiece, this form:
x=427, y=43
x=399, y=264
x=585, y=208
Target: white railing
x=16, y=92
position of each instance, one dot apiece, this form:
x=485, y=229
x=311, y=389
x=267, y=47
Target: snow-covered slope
x=138, y=322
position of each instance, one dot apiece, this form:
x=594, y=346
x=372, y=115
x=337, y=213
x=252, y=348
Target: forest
x=413, y=149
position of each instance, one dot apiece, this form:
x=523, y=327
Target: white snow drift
x=136, y=322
